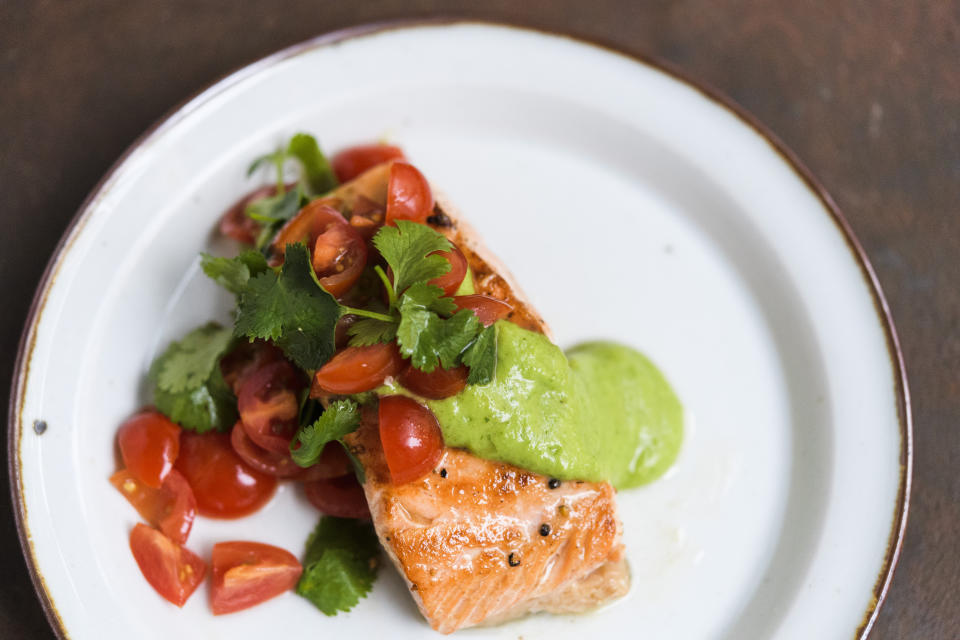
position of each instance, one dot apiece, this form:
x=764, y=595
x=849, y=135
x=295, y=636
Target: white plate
x=631, y=206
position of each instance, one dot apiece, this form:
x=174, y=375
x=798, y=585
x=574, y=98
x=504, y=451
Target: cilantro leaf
x=429, y=297
x=187, y=384
x=187, y=364
x=406, y=248
x=233, y=273
x=340, y=564
x=277, y=208
x=426, y=338
x=339, y=419
x=276, y=158
x=292, y=309
x=370, y=331
x=211, y=406
x=317, y=171
x=481, y=357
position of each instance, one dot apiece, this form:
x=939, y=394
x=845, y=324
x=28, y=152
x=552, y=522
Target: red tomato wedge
x=224, y=485
x=450, y=281
x=333, y=463
x=172, y=507
x=236, y=224
x=411, y=438
x=246, y=358
x=353, y=161
x=436, y=385
x=272, y=463
x=149, y=444
x=342, y=497
x=310, y=222
x=173, y=571
x=358, y=369
x=269, y=405
x=487, y=309
x=248, y=573
x=339, y=256
x=408, y=194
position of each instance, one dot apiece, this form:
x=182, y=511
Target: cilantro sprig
x=339, y=419
x=340, y=564
x=187, y=384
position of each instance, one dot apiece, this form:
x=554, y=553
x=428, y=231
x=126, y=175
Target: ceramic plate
x=631, y=206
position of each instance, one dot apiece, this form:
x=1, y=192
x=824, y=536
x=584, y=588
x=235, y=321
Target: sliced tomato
x=172, y=507
x=358, y=369
x=248, y=573
x=310, y=222
x=269, y=405
x=439, y=383
x=272, y=463
x=339, y=256
x=333, y=463
x=411, y=438
x=149, y=444
x=224, y=485
x=236, y=224
x=487, y=309
x=408, y=194
x=246, y=358
x=450, y=281
x=172, y=570
x=342, y=497
x=353, y=161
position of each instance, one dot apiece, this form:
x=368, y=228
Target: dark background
x=867, y=92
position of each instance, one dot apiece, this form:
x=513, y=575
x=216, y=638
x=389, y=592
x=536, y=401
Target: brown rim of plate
x=180, y=111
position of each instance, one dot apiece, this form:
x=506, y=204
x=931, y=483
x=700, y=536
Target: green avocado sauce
x=603, y=411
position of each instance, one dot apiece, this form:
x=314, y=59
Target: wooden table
x=867, y=92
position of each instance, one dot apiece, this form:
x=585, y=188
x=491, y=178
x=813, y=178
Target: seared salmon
x=477, y=541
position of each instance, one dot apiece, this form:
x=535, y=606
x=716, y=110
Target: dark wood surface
x=867, y=92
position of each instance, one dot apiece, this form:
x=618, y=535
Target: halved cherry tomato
x=342, y=497
x=339, y=256
x=333, y=463
x=235, y=222
x=263, y=460
x=310, y=222
x=149, y=444
x=224, y=485
x=358, y=369
x=408, y=194
x=248, y=573
x=436, y=385
x=172, y=507
x=173, y=571
x=411, y=438
x=246, y=358
x=450, y=281
x=488, y=309
x=353, y=161
x=269, y=405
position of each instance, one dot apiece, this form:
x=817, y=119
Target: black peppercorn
x=443, y=473
x=554, y=483
x=544, y=529
x=512, y=560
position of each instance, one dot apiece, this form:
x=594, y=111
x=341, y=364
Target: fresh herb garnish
x=406, y=249
x=481, y=357
x=234, y=273
x=340, y=564
x=316, y=174
x=187, y=384
x=339, y=419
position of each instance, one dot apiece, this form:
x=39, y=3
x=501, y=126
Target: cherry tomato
x=224, y=485
x=333, y=463
x=342, y=497
x=339, y=256
x=269, y=405
x=310, y=222
x=172, y=507
x=173, y=571
x=248, y=573
x=367, y=216
x=263, y=460
x=438, y=384
x=353, y=161
x=487, y=309
x=450, y=281
x=408, y=194
x=246, y=358
x=235, y=222
x=358, y=369
x=411, y=438
x=149, y=444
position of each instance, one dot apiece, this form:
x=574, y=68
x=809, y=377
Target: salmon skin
x=483, y=542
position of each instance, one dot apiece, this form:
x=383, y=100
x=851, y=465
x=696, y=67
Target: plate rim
x=188, y=105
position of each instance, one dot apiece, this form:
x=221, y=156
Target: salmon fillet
x=482, y=542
